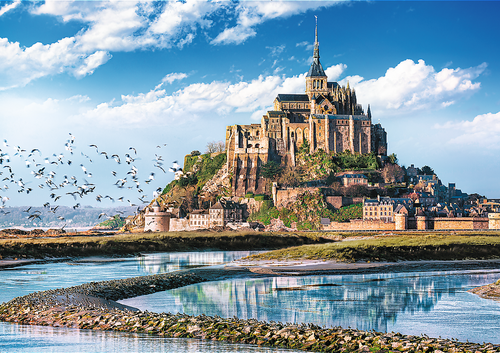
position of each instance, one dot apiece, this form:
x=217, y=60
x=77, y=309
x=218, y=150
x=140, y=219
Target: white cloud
x=109, y=26
x=277, y=50
x=483, y=132
x=307, y=46
x=216, y=99
x=251, y=14
x=19, y=66
x=334, y=72
x=173, y=77
x=9, y=7
x=413, y=86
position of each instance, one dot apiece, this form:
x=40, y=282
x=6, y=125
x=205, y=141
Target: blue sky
x=137, y=74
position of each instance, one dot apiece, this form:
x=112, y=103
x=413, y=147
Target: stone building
x=218, y=215
x=327, y=115
x=156, y=220
x=384, y=208
x=349, y=179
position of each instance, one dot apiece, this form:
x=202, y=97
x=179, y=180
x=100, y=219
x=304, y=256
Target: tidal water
x=432, y=303
x=38, y=277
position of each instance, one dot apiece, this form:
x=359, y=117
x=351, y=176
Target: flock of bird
x=46, y=171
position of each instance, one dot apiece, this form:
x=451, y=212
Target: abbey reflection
x=364, y=302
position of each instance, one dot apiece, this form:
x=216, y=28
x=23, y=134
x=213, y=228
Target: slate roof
x=350, y=176
x=316, y=69
x=292, y=98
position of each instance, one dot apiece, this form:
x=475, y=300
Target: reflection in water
x=168, y=262
x=23, y=280
x=383, y=302
x=21, y=338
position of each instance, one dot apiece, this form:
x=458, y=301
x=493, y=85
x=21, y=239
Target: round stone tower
x=401, y=220
x=156, y=220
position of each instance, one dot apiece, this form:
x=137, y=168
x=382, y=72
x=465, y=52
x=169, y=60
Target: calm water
x=435, y=303
x=27, y=279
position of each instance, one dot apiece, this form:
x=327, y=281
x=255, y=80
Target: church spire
x=316, y=69
x=316, y=43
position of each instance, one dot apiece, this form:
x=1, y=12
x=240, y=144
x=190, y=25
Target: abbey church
x=326, y=115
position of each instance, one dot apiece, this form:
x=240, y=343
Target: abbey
x=326, y=115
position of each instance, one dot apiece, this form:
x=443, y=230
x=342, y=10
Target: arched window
x=257, y=145
x=257, y=133
x=292, y=134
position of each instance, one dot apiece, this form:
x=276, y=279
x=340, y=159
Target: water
x=37, y=277
x=435, y=303
x=432, y=303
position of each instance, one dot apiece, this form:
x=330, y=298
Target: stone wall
x=179, y=224
x=463, y=223
x=340, y=201
x=494, y=220
x=466, y=223
x=359, y=224
x=286, y=196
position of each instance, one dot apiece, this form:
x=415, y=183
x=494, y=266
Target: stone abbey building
x=327, y=115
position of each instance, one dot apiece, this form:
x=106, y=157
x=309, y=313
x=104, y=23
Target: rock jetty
x=93, y=306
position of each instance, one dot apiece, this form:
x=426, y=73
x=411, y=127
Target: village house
x=349, y=179
x=384, y=208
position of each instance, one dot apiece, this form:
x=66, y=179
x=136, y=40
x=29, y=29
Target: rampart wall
x=419, y=223
x=359, y=224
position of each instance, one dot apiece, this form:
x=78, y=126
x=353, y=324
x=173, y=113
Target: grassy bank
x=128, y=244
x=397, y=248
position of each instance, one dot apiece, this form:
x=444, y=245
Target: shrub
x=260, y=197
x=249, y=195
x=169, y=187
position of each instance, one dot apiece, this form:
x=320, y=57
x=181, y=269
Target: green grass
x=128, y=244
x=397, y=248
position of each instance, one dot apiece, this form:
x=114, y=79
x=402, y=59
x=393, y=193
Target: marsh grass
x=396, y=248
x=130, y=244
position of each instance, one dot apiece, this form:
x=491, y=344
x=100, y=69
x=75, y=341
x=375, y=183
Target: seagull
x=33, y=216
x=83, y=168
x=102, y=215
x=133, y=149
x=116, y=158
x=96, y=148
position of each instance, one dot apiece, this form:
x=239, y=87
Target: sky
x=157, y=80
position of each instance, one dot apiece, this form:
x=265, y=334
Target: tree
x=356, y=190
x=290, y=177
x=271, y=170
x=195, y=153
x=215, y=146
x=426, y=170
x=393, y=173
x=393, y=159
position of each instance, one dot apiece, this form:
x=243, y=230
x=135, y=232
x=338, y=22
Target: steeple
x=316, y=43
x=316, y=69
